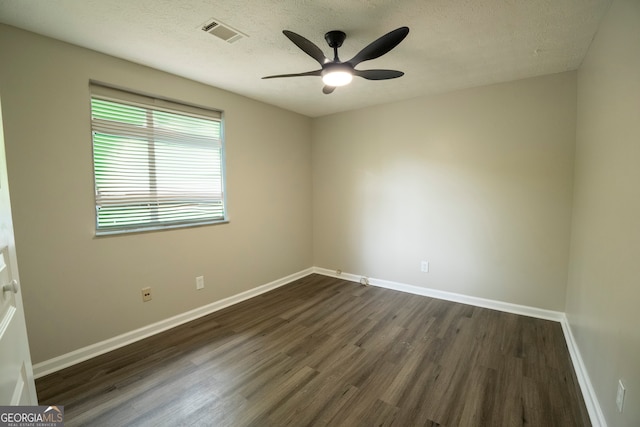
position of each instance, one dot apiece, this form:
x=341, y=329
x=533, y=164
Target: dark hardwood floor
x=323, y=351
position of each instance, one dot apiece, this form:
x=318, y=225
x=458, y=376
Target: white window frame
x=207, y=193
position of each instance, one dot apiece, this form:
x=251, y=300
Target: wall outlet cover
x=146, y=294
x=424, y=266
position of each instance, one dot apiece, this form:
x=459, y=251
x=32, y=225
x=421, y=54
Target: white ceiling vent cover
x=222, y=31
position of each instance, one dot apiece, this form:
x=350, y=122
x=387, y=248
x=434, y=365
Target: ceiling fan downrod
x=335, y=39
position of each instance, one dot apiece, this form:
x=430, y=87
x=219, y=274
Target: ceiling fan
x=336, y=73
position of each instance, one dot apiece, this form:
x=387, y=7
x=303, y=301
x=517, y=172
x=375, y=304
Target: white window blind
x=157, y=164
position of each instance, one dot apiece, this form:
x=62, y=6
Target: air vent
x=222, y=31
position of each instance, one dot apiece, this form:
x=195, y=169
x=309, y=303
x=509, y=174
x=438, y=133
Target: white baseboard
x=57, y=363
x=450, y=296
x=591, y=401
x=588, y=393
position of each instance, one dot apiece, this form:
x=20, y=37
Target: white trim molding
x=80, y=355
x=449, y=296
x=590, y=398
x=588, y=393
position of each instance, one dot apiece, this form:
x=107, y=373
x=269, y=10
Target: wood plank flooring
x=323, y=351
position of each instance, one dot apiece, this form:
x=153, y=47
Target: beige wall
x=477, y=182
x=79, y=289
x=604, y=275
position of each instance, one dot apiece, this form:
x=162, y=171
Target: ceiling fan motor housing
x=335, y=38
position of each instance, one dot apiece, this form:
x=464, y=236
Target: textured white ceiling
x=453, y=44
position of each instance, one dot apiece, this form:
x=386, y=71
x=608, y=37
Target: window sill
x=107, y=233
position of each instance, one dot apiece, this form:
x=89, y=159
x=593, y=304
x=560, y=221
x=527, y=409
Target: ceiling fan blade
x=378, y=74
x=328, y=89
x=308, y=47
x=308, y=73
x=380, y=46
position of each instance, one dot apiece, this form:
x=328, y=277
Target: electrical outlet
x=146, y=294
x=620, y=396
x=424, y=266
x=199, y=282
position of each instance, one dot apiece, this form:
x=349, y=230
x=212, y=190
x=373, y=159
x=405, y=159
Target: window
x=157, y=164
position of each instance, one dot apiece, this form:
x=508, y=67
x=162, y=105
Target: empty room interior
x=451, y=239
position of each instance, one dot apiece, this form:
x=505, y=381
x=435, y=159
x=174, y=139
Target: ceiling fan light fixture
x=337, y=78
